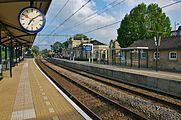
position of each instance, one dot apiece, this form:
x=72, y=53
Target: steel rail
x=94, y=77
x=74, y=99
x=96, y=94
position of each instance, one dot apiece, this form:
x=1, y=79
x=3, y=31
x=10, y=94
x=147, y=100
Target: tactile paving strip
x=23, y=107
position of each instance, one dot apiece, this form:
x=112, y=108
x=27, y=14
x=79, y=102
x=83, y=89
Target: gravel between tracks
x=151, y=110
x=101, y=108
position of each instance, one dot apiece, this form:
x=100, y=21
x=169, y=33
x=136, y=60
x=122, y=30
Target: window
x=155, y=55
x=172, y=55
x=143, y=55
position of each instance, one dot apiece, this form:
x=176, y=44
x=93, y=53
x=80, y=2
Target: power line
x=102, y=27
x=63, y=35
x=56, y=16
x=98, y=14
x=120, y=21
x=92, y=14
x=59, y=11
x=70, y=16
x=171, y=4
x=95, y=14
x=101, y=9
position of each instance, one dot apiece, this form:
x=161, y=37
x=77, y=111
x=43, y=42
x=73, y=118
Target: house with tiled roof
x=176, y=32
x=98, y=50
x=169, y=56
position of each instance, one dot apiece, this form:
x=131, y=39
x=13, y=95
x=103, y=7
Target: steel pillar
x=16, y=52
x=6, y=57
x=11, y=57
x=131, y=58
x=21, y=53
x=139, y=59
x=147, y=58
x=1, y=72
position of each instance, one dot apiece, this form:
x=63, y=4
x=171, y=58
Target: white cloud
x=97, y=21
x=111, y=16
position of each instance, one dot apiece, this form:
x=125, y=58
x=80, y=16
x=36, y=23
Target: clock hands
x=26, y=16
x=33, y=19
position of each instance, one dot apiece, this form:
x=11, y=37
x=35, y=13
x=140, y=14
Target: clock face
x=31, y=20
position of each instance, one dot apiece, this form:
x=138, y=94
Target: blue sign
x=83, y=47
x=88, y=48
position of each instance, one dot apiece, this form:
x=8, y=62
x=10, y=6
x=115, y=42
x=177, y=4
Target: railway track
x=168, y=100
x=98, y=106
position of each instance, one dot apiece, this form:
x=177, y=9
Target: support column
x=112, y=57
x=16, y=52
x=12, y=54
x=21, y=52
x=107, y=56
x=147, y=58
x=6, y=57
x=125, y=57
x=139, y=58
x=0, y=52
x=11, y=57
x=100, y=57
x=120, y=54
x=131, y=58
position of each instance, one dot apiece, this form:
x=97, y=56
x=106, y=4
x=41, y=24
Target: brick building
x=169, y=56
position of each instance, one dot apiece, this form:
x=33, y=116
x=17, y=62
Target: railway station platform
x=166, y=82
x=30, y=95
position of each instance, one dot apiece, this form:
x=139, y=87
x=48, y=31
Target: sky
x=112, y=15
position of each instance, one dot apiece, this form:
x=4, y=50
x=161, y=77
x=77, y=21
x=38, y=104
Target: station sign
x=87, y=48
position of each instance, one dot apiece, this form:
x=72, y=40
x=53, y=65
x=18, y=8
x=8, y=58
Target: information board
x=88, y=48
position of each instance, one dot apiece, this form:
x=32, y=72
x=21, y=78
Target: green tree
x=65, y=44
x=79, y=36
x=56, y=47
x=44, y=53
x=142, y=23
x=35, y=50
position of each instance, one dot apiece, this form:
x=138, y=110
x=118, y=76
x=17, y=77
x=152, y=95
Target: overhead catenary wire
x=59, y=12
x=171, y=4
x=63, y=35
x=102, y=9
x=99, y=12
x=101, y=27
x=92, y=14
x=120, y=21
x=70, y=16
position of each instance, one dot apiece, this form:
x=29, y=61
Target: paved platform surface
x=151, y=73
x=29, y=95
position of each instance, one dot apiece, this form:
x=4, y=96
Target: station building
x=75, y=49
x=169, y=56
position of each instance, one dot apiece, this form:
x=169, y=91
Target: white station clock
x=31, y=19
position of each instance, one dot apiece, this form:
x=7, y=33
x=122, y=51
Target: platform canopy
x=9, y=11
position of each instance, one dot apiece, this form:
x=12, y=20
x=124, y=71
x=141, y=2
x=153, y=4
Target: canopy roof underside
x=9, y=11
